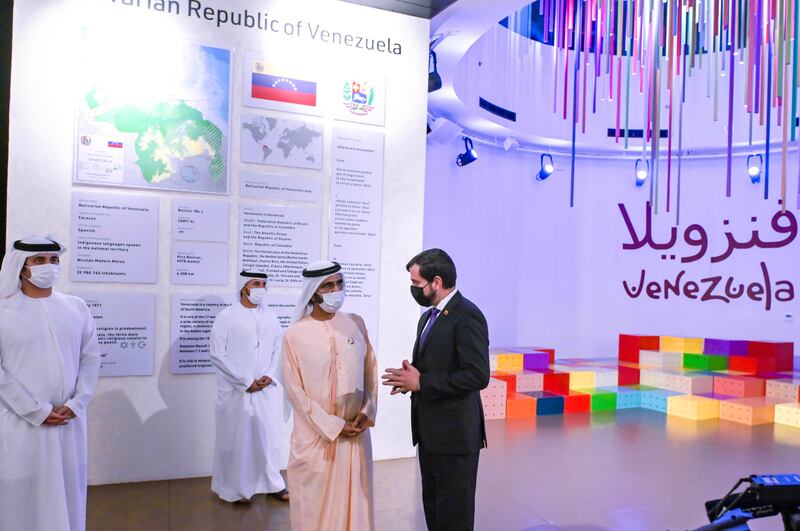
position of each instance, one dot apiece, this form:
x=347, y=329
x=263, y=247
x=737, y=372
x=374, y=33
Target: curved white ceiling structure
x=479, y=58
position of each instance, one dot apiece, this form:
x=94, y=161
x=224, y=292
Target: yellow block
x=671, y=344
x=510, y=362
x=581, y=380
x=691, y=345
x=693, y=407
x=788, y=414
x=750, y=411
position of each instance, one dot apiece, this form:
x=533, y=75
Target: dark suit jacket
x=446, y=413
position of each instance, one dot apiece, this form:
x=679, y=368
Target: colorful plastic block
x=519, y=405
x=691, y=345
x=627, y=397
x=509, y=362
x=581, y=379
x=660, y=359
x=750, y=411
x=653, y=378
x=493, y=398
x=693, y=407
x=535, y=360
x=576, y=402
x=528, y=381
x=746, y=364
x=551, y=353
x=739, y=386
x=705, y=362
x=509, y=378
x=781, y=352
x=725, y=347
x=548, y=403
x=630, y=345
x=556, y=382
x=606, y=377
x=689, y=382
x=628, y=374
x=602, y=399
x=656, y=399
x=788, y=390
x=788, y=414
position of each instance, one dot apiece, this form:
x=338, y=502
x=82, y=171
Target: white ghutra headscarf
x=313, y=276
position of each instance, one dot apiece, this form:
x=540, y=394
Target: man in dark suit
x=449, y=368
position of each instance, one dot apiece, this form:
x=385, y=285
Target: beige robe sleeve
x=326, y=425
x=370, y=405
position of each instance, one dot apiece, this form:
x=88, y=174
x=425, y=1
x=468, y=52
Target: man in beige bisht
x=331, y=379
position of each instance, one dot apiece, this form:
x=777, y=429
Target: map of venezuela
x=157, y=122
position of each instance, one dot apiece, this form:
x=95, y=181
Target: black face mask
x=419, y=295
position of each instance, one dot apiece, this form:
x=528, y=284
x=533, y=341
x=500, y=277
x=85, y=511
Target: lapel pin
x=445, y=313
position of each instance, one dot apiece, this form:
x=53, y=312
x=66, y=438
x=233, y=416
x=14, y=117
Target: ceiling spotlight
x=434, y=79
x=510, y=143
x=642, y=171
x=754, y=162
x=469, y=156
x=546, y=167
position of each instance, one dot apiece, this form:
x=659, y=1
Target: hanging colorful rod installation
x=658, y=42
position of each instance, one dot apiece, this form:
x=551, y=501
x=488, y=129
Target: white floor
x=628, y=470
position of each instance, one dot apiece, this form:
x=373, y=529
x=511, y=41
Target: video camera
x=765, y=496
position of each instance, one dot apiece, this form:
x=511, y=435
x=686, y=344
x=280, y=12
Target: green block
x=717, y=363
x=705, y=362
x=694, y=361
x=602, y=400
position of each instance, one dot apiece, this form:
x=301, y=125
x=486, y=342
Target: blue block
x=656, y=399
x=626, y=398
x=548, y=403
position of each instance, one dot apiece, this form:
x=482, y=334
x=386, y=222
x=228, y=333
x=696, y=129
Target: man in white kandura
x=331, y=379
x=49, y=363
x=245, y=349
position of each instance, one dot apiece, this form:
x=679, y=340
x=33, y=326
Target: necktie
x=434, y=315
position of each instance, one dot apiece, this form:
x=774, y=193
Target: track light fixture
x=546, y=167
x=469, y=156
x=642, y=169
x=434, y=79
x=754, y=162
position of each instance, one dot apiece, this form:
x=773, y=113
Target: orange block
x=750, y=411
x=520, y=406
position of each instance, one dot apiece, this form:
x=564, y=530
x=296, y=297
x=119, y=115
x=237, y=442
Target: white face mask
x=44, y=275
x=332, y=302
x=256, y=295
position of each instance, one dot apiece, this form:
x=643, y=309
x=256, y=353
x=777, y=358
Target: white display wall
x=160, y=206
x=550, y=275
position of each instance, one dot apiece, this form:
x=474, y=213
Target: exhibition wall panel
x=169, y=144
